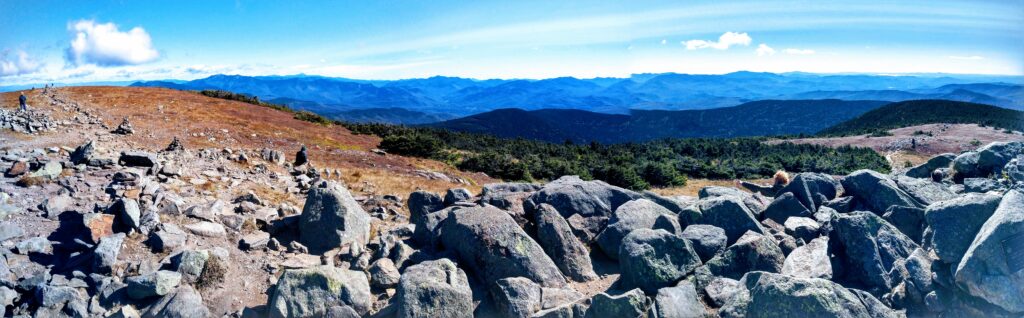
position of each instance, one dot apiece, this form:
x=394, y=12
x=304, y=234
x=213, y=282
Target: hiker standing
x=21, y=100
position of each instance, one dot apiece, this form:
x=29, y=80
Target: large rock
x=157, y=283
x=83, y=153
x=993, y=266
x=925, y=190
x=775, y=295
x=516, y=297
x=332, y=218
x=786, y=206
x=456, y=195
x=629, y=304
x=105, y=253
x=137, y=159
x=631, y=216
x=183, y=302
x=877, y=191
x=422, y=203
x=956, y=222
x=707, y=240
x=555, y=236
x=812, y=189
x=752, y=252
x=434, y=289
x=924, y=170
x=681, y=301
x=810, y=260
x=908, y=220
x=730, y=214
x=981, y=185
x=653, y=259
x=489, y=243
x=310, y=292
x=986, y=161
x=753, y=202
x=869, y=247
x=570, y=195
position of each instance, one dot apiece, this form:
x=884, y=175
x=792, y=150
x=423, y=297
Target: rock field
x=108, y=230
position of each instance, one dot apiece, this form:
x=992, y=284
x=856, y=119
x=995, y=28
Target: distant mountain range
x=446, y=97
x=760, y=118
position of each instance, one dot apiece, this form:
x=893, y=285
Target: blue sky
x=45, y=41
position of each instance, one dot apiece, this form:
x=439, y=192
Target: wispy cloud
x=764, y=49
x=726, y=40
x=798, y=51
x=971, y=57
x=104, y=45
x=17, y=63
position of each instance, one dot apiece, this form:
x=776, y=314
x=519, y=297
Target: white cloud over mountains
x=104, y=44
x=17, y=63
x=764, y=49
x=726, y=40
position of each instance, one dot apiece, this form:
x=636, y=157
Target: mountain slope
x=919, y=112
x=761, y=118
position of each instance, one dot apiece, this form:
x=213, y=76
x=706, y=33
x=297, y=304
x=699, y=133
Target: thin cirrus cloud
x=725, y=41
x=971, y=57
x=798, y=51
x=18, y=63
x=764, y=49
x=103, y=44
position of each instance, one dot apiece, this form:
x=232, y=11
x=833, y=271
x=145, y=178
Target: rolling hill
x=760, y=118
x=919, y=112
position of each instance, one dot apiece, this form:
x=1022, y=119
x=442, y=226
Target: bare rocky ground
x=116, y=225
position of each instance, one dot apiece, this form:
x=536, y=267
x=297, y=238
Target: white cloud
x=17, y=63
x=798, y=51
x=764, y=49
x=724, y=42
x=663, y=41
x=972, y=57
x=105, y=45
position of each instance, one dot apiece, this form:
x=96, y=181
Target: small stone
x=157, y=283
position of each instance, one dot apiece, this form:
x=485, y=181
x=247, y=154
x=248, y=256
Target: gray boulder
x=422, y=203
x=753, y=202
x=434, y=289
x=653, y=259
x=957, y=222
x=877, y=191
x=489, y=243
x=570, y=195
x=167, y=237
x=631, y=216
x=105, y=253
x=706, y=240
x=809, y=261
x=555, y=236
x=784, y=207
x=516, y=297
x=924, y=170
x=183, y=302
x=137, y=159
x=909, y=220
x=1015, y=169
x=774, y=295
x=157, y=283
x=629, y=304
x=332, y=218
x=730, y=214
x=681, y=301
x=981, y=185
x=310, y=292
x=802, y=228
x=993, y=266
x=720, y=289
x=924, y=190
x=812, y=189
x=868, y=247
x=384, y=274
x=752, y=252
x=83, y=153
x=456, y=195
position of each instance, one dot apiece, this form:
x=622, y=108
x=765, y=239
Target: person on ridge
x=781, y=180
x=300, y=157
x=21, y=101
